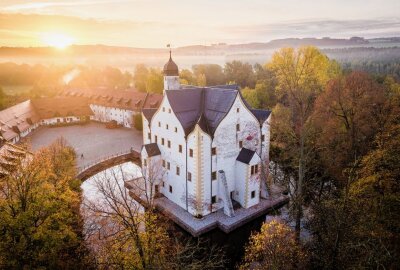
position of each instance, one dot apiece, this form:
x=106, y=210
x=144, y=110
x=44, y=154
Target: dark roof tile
x=209, y=104
x=148, y=113
x=152, y=149
x=245, y=155
x=261, y=115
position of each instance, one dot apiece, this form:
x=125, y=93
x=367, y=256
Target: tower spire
x=169, y=46
x=171, y=73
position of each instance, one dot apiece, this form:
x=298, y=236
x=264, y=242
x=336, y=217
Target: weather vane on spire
x=169, y=46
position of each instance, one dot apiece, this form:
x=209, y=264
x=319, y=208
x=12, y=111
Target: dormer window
x=159, y=124
x=237, y=127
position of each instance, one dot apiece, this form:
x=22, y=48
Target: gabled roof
x=148, y=113
x=152, y=149
x=186, y=104
x=245, y=155
x=208, y=104
x=261, y=115
x=152, y=101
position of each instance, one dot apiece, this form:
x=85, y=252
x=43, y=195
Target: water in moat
x=233, y=243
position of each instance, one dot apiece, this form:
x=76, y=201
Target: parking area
x=91, y=142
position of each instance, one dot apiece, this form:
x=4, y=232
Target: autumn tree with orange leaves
x=274, y=247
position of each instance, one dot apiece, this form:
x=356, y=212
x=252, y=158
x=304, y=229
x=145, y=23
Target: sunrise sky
x=154, y=23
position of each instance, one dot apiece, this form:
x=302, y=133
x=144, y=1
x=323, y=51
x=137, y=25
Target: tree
x=201, y=80
x=155, y=81
x=360, y=228
x=274, y=247
x=301, y=75
x=240, y=73
x=356, y=225
x=376, y=194
x=213, y=74
x=138, y=121
x=40, y=225
x=262, y=97
x=140, y=77
x=250, y=95
x=187, y=77
x=123, y=234
x=349, y=114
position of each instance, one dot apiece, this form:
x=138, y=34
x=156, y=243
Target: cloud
x=18, y=29
x=317, y=28
x=41, y=5
x=23, y=27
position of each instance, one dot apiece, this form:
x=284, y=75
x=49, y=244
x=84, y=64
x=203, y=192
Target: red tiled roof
x=129, y=99
x=17, y=119
x=62, y=107
x=152, y=101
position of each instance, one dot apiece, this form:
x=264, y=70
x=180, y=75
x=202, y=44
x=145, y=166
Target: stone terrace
x=218, y=219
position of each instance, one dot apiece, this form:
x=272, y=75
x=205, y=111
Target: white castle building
x=205, y=148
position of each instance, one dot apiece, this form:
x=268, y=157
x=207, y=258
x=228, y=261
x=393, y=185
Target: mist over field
x=126, y=58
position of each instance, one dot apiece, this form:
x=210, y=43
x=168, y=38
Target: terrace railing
x=103, y=159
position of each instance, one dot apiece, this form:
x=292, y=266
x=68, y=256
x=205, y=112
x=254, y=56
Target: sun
x=57, y=40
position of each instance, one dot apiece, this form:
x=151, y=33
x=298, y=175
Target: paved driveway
x=93, y=140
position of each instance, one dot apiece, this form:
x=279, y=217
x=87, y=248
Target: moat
x=232, y=243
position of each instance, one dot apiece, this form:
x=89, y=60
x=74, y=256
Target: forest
x=335, y=146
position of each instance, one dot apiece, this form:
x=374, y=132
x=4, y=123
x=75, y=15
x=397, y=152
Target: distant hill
x=221, y=48
x=126, y=58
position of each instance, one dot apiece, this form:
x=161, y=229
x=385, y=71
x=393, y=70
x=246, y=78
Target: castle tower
x=171, y=75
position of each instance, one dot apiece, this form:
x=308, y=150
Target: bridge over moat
x=104, y=163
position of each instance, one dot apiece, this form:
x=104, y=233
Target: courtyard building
x=115, y=105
